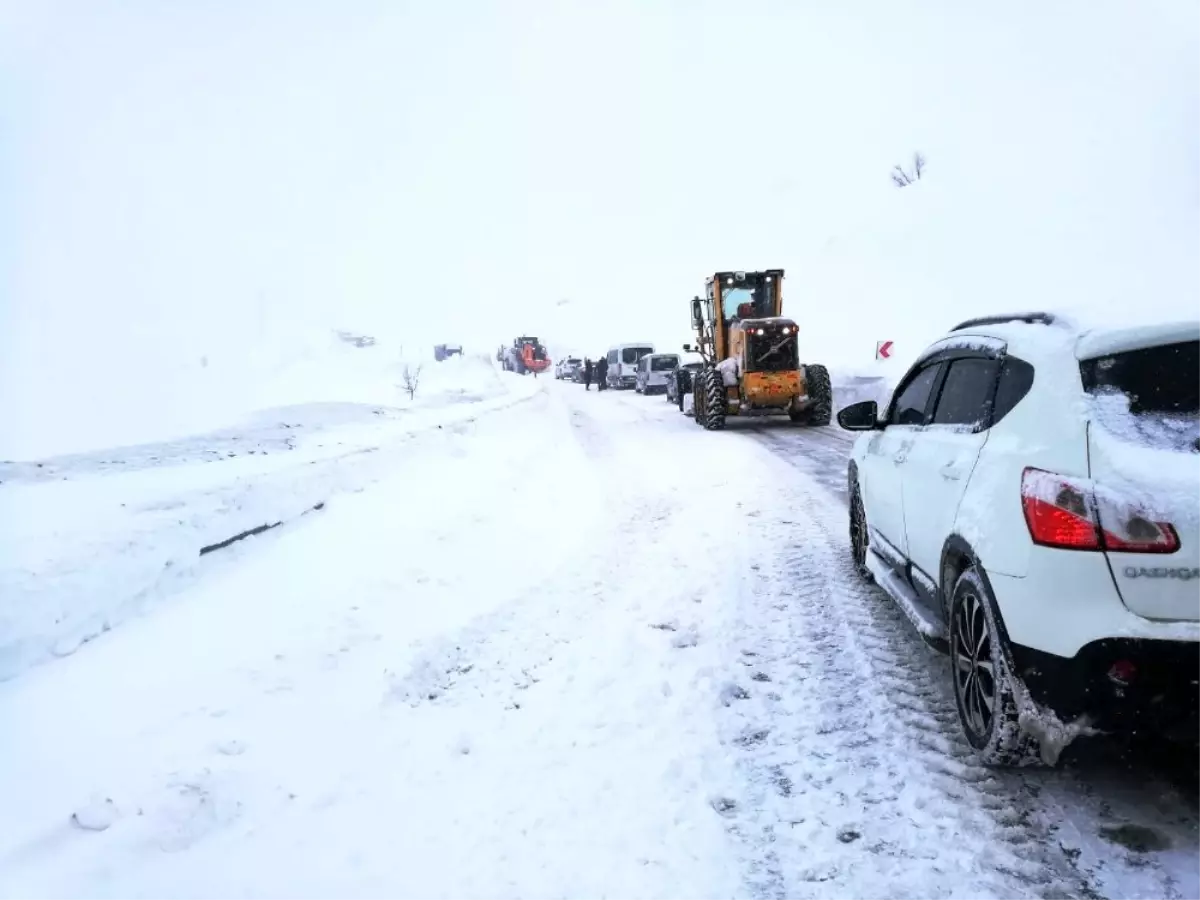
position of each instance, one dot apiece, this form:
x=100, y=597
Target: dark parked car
x=680, y=382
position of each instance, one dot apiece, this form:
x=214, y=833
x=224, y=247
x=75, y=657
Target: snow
x=501, y=639
x=1139, y=436
x=88, y=541
x=965, y=341
x=527, y=653
x=371, y=646
x=1113, y=331
x=221, y=390
x=730, y=370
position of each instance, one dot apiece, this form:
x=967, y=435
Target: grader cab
x=751, y=355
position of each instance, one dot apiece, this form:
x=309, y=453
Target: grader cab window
x=755, y=295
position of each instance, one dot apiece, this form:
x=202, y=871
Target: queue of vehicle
x=1028, y=499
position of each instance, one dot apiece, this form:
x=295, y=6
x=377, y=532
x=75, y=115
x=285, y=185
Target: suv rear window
x=1154, y=379
x=633, y=354
x=663, y=363
x=1150, y=396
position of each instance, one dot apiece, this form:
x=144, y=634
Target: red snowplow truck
x=527, y=354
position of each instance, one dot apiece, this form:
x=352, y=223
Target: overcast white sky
x=183, y=178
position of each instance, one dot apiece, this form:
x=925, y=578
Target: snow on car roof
x=1092, y=335
x=1102, y=341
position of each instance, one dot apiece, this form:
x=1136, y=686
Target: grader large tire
x=713, y=388
x=820, y=389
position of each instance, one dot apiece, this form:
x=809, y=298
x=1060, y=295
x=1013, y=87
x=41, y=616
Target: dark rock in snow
x=782, y=783
x=1137, y=838
x=753, y=736
x=731, y=692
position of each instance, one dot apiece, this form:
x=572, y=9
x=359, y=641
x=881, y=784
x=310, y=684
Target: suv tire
x=982, y=675
x=859, y=535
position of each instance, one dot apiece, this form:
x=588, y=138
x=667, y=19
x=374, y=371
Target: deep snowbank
x=89, y=540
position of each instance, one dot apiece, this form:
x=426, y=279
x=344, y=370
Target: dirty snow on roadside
x=564, y=649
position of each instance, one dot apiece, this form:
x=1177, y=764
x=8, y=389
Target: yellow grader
x=751, y=360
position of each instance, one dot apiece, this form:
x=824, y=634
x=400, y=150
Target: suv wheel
x=858, y=534
x=983, y=681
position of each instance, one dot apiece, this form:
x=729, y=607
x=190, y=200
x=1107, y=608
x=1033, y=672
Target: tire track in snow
x=595, y=677
x=819, y=452
x=1101, y=786
x=859, y=782
x=504, y=649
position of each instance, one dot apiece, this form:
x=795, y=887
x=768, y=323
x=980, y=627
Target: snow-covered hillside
x=89, y=540
x=136, y=400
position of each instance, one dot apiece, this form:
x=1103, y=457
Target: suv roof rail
x=1029, y=318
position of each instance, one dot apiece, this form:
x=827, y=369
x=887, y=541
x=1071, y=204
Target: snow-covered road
x=574, y=647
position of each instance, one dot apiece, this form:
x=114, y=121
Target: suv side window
x=1016, y=379
x=911, y=403
x=967, y=393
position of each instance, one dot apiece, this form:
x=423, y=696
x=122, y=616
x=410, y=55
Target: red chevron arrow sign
x=883, y=349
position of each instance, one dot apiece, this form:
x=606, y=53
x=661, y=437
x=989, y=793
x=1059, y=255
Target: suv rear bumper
x=1067, y=627
x=1068, y=600
x=1123, y=684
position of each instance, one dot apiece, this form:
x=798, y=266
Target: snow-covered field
x=565, y=644
x=88, y=540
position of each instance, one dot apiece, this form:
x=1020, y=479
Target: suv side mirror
x=697, y=313
x=862, y=416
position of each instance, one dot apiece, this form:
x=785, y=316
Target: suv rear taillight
x=1070, y=514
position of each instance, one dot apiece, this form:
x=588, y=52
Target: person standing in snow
x=601, y=373
x=587, y=374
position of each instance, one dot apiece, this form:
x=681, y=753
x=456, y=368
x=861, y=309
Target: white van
x=622, y=363
x=653, y=370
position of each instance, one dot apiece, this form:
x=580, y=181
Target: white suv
x=565, y=368
x=1031, y=499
